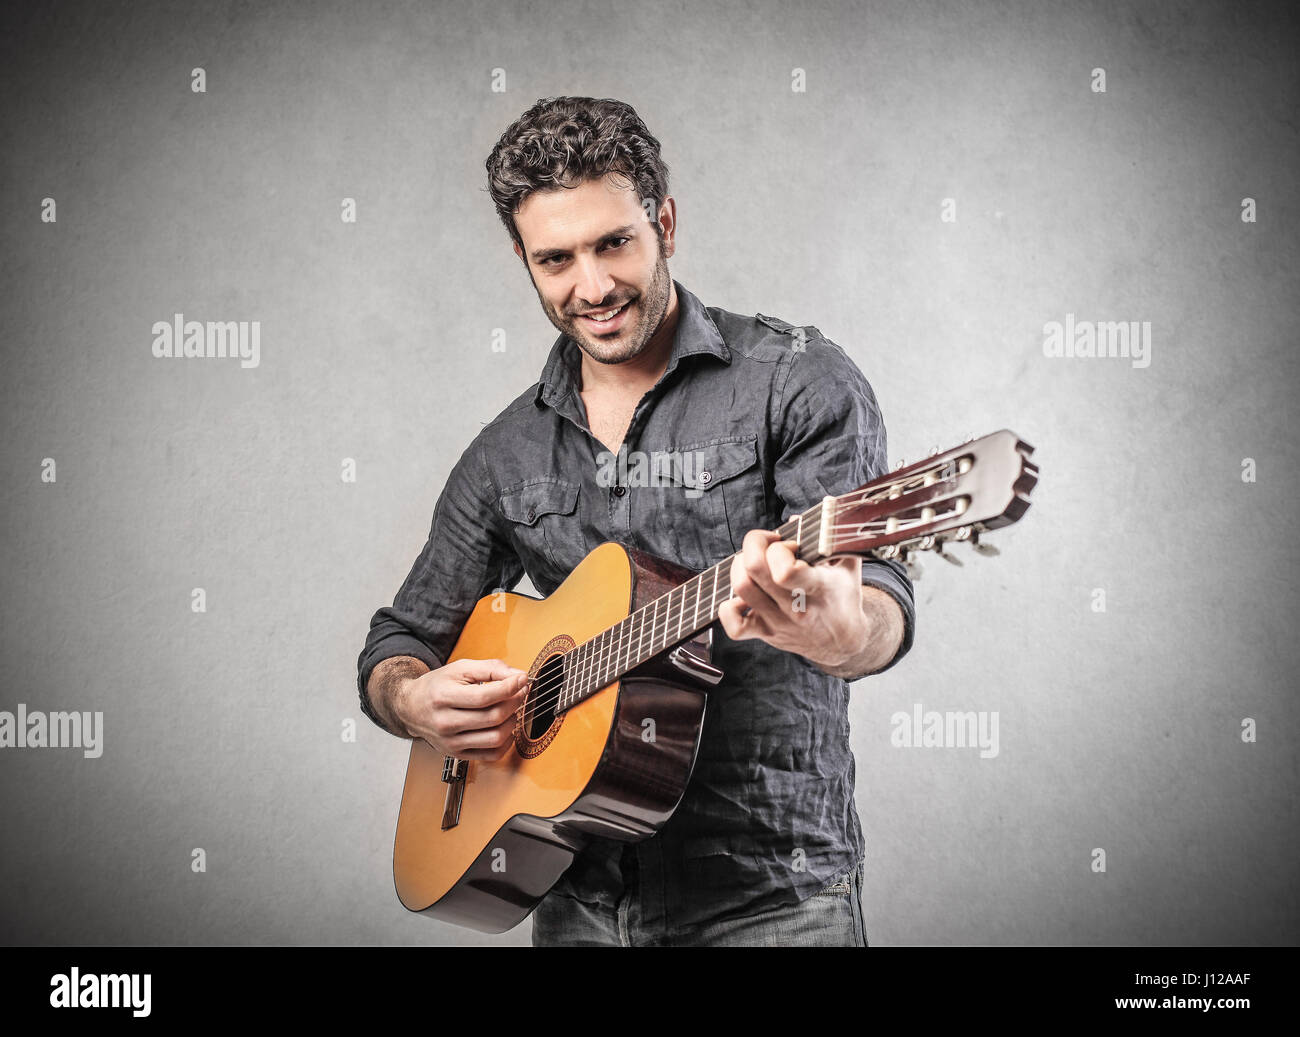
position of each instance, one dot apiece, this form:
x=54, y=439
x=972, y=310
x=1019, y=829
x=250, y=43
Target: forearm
x=384, y=686
x=882, y=636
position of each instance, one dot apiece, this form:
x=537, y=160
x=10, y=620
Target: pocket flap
x=526, y=504
x=704, y=465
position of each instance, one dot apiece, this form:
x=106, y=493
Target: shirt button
x=619, y=491
x=706, y=478
x=532, y=514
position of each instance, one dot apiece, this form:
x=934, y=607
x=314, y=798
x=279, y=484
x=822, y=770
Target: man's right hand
x=466, y=709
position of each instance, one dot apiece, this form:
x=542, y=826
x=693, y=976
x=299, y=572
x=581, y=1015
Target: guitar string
x=543, y=697
x=549, y=693
x=540, y=701
x=626, y=643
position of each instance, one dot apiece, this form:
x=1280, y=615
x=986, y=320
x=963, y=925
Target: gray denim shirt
x=778, y=417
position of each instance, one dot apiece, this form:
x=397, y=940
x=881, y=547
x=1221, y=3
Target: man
x=765, y=846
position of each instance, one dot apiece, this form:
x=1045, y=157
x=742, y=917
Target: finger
x=750, y=579
x=486, y=744
x=736, y=624
x=789, y=572
x=489, y=693
x=460, y=721
x=479, y=670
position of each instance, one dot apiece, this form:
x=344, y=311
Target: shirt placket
x=647, y=878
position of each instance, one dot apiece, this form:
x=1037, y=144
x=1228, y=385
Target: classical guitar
x=624, y=639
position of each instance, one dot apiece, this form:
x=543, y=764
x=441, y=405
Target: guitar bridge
x=453, y=773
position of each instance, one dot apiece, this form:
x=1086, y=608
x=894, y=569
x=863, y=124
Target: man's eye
x=621, y=242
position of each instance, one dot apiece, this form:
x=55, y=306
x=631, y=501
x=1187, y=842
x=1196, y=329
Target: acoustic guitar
x=619, y=664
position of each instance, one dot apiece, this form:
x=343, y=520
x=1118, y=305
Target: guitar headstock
x=950, y=496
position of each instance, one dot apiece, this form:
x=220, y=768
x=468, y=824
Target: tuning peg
x=900, y=464
x=934, y=450
x=947, y=557
x=913, y=569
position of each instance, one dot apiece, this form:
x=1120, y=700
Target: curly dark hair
x=561, y=142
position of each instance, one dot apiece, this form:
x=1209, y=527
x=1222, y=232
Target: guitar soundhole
x=538, y=722
x=540, y=712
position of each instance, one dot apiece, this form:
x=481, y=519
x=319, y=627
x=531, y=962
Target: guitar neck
x=981, y=485
x=670, y=619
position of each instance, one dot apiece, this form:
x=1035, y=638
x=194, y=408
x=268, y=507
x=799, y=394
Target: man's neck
x=639, y=374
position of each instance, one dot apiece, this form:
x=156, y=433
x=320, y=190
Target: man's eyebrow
x=618, y=232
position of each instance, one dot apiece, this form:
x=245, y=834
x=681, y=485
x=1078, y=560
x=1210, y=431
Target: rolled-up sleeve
x=466, y=557
x=831, y=440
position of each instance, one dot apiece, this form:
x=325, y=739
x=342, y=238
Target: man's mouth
x=606, y=320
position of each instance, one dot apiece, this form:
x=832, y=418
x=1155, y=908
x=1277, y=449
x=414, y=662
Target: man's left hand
x=822, y=612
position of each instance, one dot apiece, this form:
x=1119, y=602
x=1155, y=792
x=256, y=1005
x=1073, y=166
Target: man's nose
x=594, y=283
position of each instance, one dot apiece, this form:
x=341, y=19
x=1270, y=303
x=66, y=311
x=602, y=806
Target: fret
x=583, y=652
x=611, y=654
x=564, y=681
x=602, y=659
x=713, y=597
x=572, y=667
x=654, y=617
x=684, y=630
x=573, y=682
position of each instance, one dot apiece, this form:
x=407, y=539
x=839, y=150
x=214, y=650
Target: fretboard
x=668, y=620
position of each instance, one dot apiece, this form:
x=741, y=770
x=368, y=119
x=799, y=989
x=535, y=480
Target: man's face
x=589, y=250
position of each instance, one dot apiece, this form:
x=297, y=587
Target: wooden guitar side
x=524, y=818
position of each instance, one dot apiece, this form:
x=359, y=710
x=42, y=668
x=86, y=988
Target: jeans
x=831, y=918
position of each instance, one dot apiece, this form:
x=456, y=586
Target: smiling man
x=765, y=846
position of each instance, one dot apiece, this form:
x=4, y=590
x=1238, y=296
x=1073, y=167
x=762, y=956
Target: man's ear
x=668, y=222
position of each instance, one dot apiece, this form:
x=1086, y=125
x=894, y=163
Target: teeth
x=610, y=315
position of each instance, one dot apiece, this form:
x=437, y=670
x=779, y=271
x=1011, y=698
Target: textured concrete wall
x=1119, y=730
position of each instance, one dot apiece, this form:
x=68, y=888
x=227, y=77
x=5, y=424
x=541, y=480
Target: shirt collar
x=696, y=333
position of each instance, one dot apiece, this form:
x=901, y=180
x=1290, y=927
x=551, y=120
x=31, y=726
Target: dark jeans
x=831, y=918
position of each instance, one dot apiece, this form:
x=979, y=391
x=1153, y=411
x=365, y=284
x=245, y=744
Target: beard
x=645, y=312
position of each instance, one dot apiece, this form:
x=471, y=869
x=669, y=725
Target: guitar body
x=588, y=771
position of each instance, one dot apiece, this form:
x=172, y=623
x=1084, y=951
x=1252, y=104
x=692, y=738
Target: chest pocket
x=539, y=513
x=719, y=496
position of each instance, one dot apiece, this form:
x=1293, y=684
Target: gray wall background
x=1119, y=730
